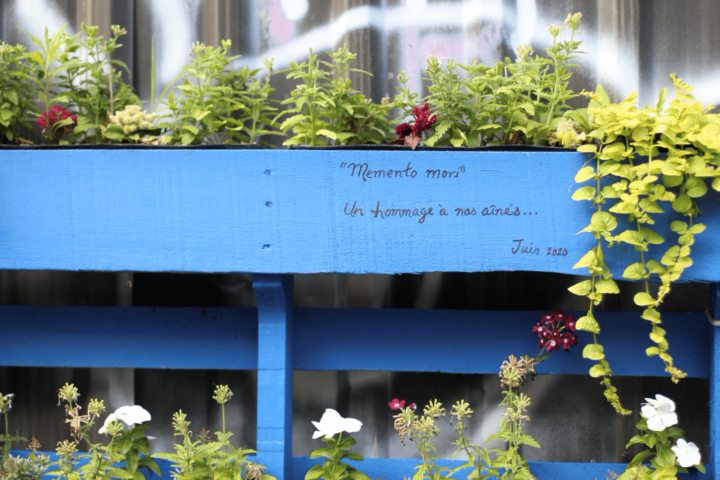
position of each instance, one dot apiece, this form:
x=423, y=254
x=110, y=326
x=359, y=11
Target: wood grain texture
x=284, y=211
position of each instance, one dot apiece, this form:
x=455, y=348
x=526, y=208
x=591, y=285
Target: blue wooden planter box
x=275, y=213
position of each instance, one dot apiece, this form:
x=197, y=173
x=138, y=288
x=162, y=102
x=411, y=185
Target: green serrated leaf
x=606, y=285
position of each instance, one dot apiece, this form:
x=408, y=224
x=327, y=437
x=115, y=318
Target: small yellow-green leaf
x=584, y=174
x=589, y=148
x=651, y=351
x=678, y=226
x=606, y=285
x=716, y=184
x=634, y=271
x=597, y=370
x=584, y=193
x=652, y=236
x=654, y=266
x=632, y=237
x=695, y=187
x=682, y=204
x=603, y=221
x=697, y=228
x=593, y=351
x=586, y=259
x=587, y=324
x=651, y=314
x=643, y=299
x=582, y=288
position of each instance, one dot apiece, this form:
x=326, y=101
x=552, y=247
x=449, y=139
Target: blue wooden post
x=714, y=460
x=275, y=372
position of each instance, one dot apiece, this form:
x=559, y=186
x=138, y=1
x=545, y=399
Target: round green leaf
x=584, y=174
x=584, y=193
x=695, y=187
x=643, y=298
x=593, y=351
x=587, y=324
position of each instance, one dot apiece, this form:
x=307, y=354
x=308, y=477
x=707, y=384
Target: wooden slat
x=290, y=211
x=329, y=339
x=399, y=468
x=478, y=341
x=139, y=337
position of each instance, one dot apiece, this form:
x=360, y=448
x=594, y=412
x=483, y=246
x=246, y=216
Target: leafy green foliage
x=254, y=118
x=93, y=85
x=644, y=158
x=18, y=89
x=327, y=110
x=204, y=458
x=333, y=467
x=512, y=102
x=198, y=114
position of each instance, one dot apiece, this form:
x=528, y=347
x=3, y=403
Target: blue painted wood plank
x=399, y=468
x=290, y=211
x=328, y=339
x=478, y=341
x=714, y=467
x=275, y=372
x=140, y=337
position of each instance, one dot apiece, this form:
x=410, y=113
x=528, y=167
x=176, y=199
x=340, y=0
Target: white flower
x=332, y=423
x=659, y=413
x=129, y=414
x=687, y=453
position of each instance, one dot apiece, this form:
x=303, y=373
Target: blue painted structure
x=280, y=212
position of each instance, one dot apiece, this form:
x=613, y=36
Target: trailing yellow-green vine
x=645, y=158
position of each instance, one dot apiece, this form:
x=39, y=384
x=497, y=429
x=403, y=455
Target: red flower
x=413, y=406
x=403, y=130
x=56, y=114
x=396, y=404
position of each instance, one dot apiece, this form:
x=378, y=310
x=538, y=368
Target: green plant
x=204, y=458
x=199, y=114
x=512, y=102
x=254, y=118
x=327, y=108
x=18, y=89
x=333, y=467
x=666, y=460
x=642, y=158
x=132, y=125
x=123, y=456
x=92, y=84
x=52, y=50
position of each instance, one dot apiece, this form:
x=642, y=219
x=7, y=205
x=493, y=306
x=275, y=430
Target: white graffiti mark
x=35, y=15
x=174, y=33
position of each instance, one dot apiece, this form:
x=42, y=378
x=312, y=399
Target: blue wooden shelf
x=275, y=213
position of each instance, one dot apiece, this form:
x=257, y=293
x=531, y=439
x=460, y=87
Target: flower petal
x=669, y=419
x=132, y=415
x=352, y=425
x=655, y=424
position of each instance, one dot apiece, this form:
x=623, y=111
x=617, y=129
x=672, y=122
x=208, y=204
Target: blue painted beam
x=136, y=337
x=399, y=468
x=465, y=341
x=275, y=372
x=328, y=339
x=304, y=211
x=714, y=466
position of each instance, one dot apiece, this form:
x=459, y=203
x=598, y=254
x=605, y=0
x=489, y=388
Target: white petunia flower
x=129, y=415
x=688, y=454
x=332, y=423
x=659, y=413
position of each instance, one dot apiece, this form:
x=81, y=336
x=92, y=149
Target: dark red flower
x=403, y=130
x=396, y=404
x=413, y=406
x=56, y=114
